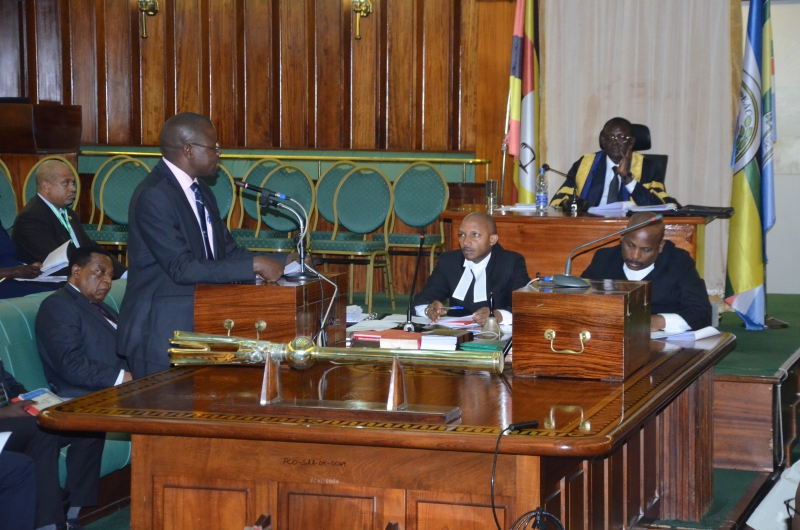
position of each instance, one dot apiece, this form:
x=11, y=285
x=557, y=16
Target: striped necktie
x=201, y=212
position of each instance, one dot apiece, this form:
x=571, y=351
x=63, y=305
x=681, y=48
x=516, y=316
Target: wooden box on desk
x=615, y=313
x=289, y=309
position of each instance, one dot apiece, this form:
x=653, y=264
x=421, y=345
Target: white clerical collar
x=477, y=271
x=183, y=178
x=636, y=276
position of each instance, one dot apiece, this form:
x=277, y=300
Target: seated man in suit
x=468, y=276
x=17, y=491
x=614, y=174
x=76, y=331
x=43, y=447
x=679, y=300
x=11, y=269
x=47, y=221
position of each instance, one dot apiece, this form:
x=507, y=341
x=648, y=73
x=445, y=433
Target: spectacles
x=216, y=146
x=617, y=139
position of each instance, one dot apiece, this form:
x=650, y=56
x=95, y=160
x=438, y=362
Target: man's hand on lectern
x=294, y=257
x=269, y=269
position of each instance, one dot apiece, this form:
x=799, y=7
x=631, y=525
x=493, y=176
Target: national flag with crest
x=522, y=136
x=753, y=193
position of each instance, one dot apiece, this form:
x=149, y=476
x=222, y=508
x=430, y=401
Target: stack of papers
x=686, y=336
x=458, y=322
x=438, y=342
x=620, y=209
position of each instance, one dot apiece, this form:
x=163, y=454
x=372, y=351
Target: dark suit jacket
x=676, y=285
x=505, y=273
x=641, y=195
x=12, y=386
x=166, y=260
x=38, y=232
x=77, y=344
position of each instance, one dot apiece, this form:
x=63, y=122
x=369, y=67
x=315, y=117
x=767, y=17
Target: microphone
x=567, y=280
x=548, y=168
x=409, y=325
x=531, y=424
x=259, y=189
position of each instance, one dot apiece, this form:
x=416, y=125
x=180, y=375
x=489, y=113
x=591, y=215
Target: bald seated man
x=468, y=276
x=679, y=298
x=177, y=239
x=47, y=221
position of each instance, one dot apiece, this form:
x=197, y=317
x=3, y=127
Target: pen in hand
x=454, y=307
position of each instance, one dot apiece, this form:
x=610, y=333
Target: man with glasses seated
x=614, y=174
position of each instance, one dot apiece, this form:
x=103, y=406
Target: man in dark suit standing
x=76, y=330
x=177, y=239
x=47, y=221
x=468, y=276
x=679, y=300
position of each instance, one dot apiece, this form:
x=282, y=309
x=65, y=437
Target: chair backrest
x=363, y=201
x=8, y=199
x=420, y=194
x=290, y=180
x=661, y=166
x=117, y=189
x=97, y=181
x=223, y=188
x=29, y=186
x=248, y=200
x=326, y=189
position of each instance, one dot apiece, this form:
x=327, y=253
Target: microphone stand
x=410, y=325
x=305, y=275
x=567, y=280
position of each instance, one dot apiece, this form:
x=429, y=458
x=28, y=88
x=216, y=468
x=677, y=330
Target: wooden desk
x=547, y=241
x=642, y=450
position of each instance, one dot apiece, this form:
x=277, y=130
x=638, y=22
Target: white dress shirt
x=186, y=184
x=609, y=177
x=674, y=322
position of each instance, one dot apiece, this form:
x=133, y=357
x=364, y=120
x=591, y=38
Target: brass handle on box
x=584, y=336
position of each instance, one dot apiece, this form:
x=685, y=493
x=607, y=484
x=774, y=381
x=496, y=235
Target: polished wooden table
x=606, y=455
x=546, y=241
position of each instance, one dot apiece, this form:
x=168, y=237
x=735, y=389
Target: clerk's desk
x=603, y=455
x=546, y=241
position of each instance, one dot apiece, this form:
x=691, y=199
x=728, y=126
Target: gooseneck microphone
x=557, y=172
x=259, y=189
x=567, y=280
x=410, y=325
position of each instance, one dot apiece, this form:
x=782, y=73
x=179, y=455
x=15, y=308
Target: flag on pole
x=522, y=124
x=752, y=196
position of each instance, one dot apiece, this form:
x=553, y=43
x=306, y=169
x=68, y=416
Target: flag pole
x=504, y=149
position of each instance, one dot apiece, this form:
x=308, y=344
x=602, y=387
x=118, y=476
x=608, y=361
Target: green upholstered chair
x=29, y=186
x=248, y=204
x=326, y=189
x=420, y=195
x=290, y=180
x=91, y=228
x=8, y=199
x=224, y=191
x=115, y=196
x=362, y=204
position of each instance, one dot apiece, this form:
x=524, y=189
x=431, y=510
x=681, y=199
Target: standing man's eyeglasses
x=216, y=146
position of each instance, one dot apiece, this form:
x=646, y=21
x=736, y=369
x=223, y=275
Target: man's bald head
x=485, y=219
x=56, y=183
x=49, y=170
x=180, y=130
x=641, y=248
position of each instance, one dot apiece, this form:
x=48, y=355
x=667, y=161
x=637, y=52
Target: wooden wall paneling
x=437, y=75
x=43, y=42
x=748, y=404
x=364, y=82
x=294, y=90
x=633, y=479
x=115, y=72
x=438, y=510
x=650, y=469
x=345, y=507
x=494, y=56
x=400, y=72
x=221, y=68
x=80, y=63
x=466, y=69
x=191, y=56
x=156, y=80
x=259, y=70
x=12, y=44
x=327, y=123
